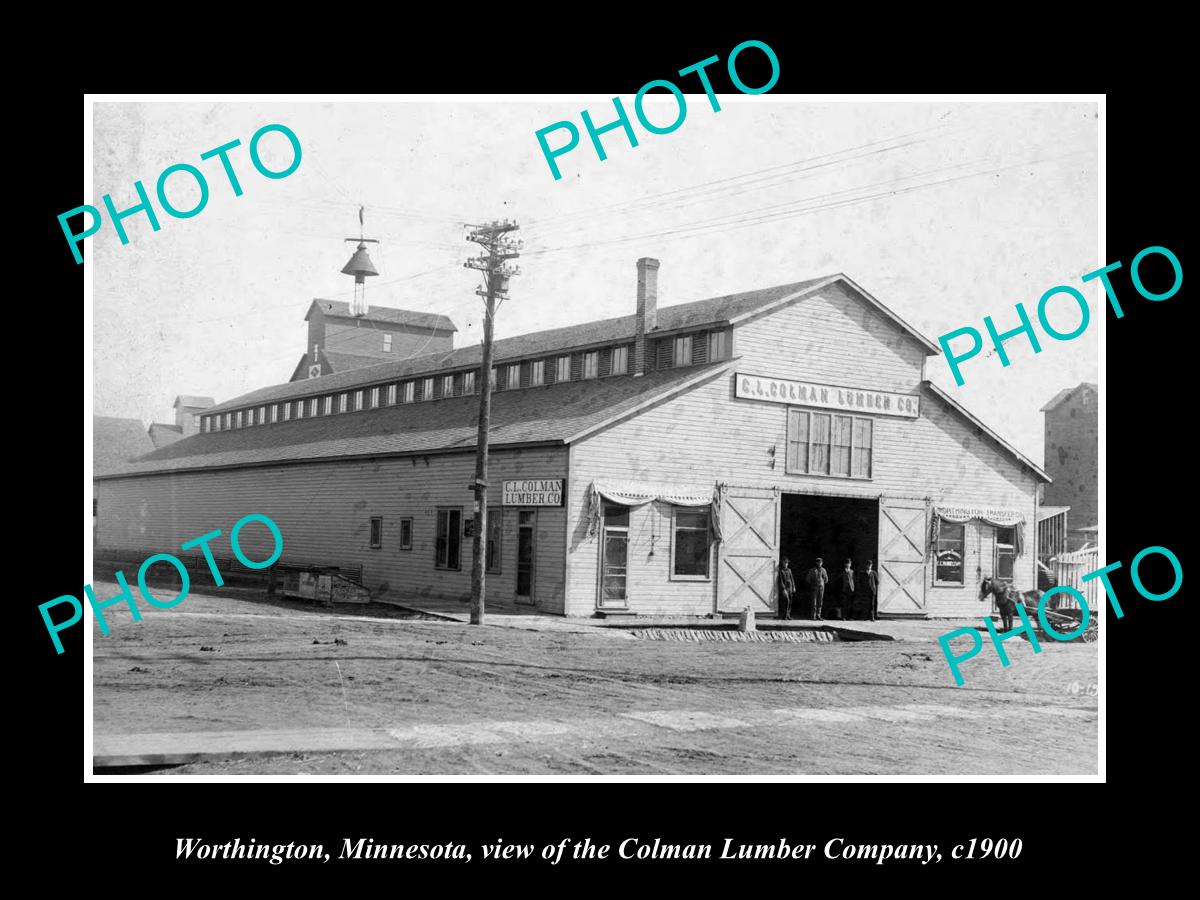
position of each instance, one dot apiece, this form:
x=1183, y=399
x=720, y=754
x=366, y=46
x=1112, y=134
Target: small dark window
x=376, y=532
x=406, y=531
x=448, y=549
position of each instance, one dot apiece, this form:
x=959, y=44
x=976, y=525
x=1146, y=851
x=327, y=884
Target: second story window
x=274, y=407
x=312, y=405
x=718, y=345
x=447, y=385
x=591, y=364
x=427, y=389
x=239, y=419
x=410, y=389
x=468, y=382
x=343, y=402
x=513, y=378
x=287, y=411
x=391, y=395
x=328, y=405
x=683, y=350
x=620, y=360
x=387, y=343
x=562, y=369
x=537, y=372
x=374, y=398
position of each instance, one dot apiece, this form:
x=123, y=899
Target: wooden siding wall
x=366, y=339
x=706, y=435
x=324, y=511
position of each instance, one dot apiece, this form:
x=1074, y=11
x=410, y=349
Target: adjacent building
x=341, y=340
x=1072, y=441
x=658, y=463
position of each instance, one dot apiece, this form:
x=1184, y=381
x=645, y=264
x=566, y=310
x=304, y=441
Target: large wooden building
x=660, y=463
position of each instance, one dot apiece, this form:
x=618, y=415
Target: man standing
x=846, y=591
x=871, y=585
x=815, y=578
x=787, y=589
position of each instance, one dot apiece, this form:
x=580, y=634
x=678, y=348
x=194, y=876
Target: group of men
x=850, y=600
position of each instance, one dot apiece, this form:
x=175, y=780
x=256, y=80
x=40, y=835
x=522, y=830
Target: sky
x=944, y=211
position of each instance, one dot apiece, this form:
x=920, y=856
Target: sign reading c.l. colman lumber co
x=804, y=393
x=533, y=492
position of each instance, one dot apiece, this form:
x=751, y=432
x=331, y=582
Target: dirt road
x=451, y=699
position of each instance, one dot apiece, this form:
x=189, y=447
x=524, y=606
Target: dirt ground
x=492, y=700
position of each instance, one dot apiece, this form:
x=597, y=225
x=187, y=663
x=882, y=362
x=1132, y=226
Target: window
x=615, y=560
x=620, y=360
x=427, y=389
x=683, y=350
x=262, y=415
x=391, y=395
x=376, y=532
x=316, y=353
x=328, y=403
x=274, y=412
x=513, y=379
x=410, y=389
x=537, y=372
x=494, y=522
x=299, y=409
x=406, y=534
x=860, y=465
x=448, y=546
x=718, y=345
x=196, y=421
x=951, y=539
x=387, y=343
x=313, y=405
x=591, y=364
x=826, y=444
x=468, y=382
x=249, y=417
x=374, y=398
x=690, y=552
x=239, y=419
x=287, y=411
x=840, y=457
x=562, y=369
x=1006, y=553
x=358, y=400
x=448, y=386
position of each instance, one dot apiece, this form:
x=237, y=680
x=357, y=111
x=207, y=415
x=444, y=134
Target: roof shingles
x=551, y=414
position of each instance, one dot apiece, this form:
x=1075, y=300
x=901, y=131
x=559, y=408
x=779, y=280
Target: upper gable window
x=387, y=343
x=683, y=350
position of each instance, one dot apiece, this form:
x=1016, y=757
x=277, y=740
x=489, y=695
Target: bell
x=360, y=265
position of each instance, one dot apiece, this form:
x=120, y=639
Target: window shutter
x=605, y=361
x=576, y=366
x=419, y=389
x=666, y=353
x=550, y=371
x=700, y=348
x=525, y=367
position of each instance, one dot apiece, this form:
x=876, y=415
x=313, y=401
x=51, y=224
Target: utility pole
x=494, y=265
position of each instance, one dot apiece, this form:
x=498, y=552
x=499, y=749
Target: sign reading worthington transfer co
x=535, y=492
x=804, y=393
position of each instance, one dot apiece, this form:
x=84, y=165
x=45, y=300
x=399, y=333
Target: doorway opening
x=833, y=529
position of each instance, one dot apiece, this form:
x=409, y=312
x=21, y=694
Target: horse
x=1007, y=598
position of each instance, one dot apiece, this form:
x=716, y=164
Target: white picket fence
x=1069, y=569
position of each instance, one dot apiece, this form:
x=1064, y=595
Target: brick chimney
x=647, y=311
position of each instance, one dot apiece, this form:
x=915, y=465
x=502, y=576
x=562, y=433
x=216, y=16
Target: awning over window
x=639, y=493
x=988, y=515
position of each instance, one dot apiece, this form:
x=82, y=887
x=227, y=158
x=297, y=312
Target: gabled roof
x=1001, y=442
x=1064, y=394
x=554, y=414
x=115, y=441
x=161, y=435
x=188, y=400
x=339, y=309
x=716, y=310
